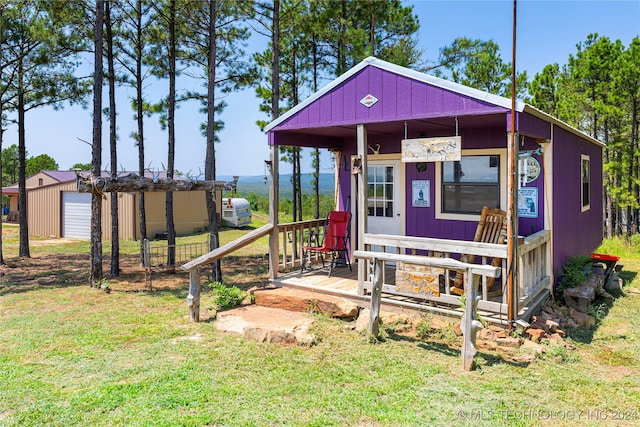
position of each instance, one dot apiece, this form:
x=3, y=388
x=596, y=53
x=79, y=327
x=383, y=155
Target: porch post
x=512, y=213
x=274, y=255
x=362, y=202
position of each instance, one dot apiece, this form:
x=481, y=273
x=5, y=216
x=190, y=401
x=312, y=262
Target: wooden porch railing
x=534, y=273
x=292, y=236
x=534, y=268
x=439, y=248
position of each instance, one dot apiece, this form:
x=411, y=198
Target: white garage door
x=76, y=215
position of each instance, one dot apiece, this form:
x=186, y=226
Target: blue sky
x=547, y=32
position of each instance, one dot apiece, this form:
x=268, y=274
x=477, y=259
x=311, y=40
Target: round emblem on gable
x=529, y=169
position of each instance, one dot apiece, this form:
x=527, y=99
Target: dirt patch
x=22, y=274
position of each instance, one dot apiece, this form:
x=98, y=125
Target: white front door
x=384, y=201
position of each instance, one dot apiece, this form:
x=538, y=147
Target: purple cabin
x=418, y=157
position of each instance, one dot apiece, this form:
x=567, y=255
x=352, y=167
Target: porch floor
x=344, y=283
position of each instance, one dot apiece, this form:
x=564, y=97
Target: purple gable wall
x=575, y=232
x=399, y=98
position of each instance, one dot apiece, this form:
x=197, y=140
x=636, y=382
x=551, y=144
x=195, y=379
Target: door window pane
x=380, y=191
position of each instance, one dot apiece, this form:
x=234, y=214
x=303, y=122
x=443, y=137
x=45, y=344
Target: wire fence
x=157, y=255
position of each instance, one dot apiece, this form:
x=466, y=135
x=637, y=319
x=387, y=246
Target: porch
x=533, y=284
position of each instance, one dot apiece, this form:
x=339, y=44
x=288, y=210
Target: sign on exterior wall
x=420, y=193
x=528, y=202
x=441, y=149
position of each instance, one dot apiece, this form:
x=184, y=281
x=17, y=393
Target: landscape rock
x=457, y=329
x=486, y=345
x=48, y=280
x=486, y=335
x=400, y=321
x=557, y=339
x=535, y=334
x=582, y=319
x=437, y=322
x=265, y=324
x=580, y=297
x=362, y=323
x=568, y=323
x=615, y=284
x=552, y=325
x=297, y=300
x=537, y=348
x=508, y=342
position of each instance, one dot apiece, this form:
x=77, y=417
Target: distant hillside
x=256, y=184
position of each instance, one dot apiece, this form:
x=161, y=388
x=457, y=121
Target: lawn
x=76, y=356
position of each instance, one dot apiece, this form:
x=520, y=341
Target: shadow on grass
x=599, y=309
x=28, y=274
x=445, y=348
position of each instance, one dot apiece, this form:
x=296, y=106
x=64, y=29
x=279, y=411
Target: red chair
x=334, y=241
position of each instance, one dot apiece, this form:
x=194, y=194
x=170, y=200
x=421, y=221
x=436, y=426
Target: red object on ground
x=604, y=257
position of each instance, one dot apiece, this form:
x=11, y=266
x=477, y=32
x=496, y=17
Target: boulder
x=297, y=300
x=535, y=334
x=580, y=297
x=582, y=319
x=508, y=342
x=265, y=324
x=402, y=322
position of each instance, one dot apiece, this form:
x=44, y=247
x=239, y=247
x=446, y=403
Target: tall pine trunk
x=95, y=276
x=115, y=228
x=22, y=179
x=1, y=130
x=635, y=163
x=140, y=122
x=171, y=231
x=210, y=160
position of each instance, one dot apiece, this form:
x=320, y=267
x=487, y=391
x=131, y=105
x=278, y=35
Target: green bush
x=574, y=272
x=225, y=296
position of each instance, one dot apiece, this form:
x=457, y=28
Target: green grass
x=74, y=356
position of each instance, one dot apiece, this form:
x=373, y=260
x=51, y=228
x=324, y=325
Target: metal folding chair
x=334, y=242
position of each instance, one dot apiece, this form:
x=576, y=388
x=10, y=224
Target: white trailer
x=236, y=212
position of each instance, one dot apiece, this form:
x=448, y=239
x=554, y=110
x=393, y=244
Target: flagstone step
x=304, y=301
x=265, y=324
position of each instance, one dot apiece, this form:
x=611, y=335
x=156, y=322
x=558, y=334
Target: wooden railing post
x=193, y=299
x=376, y=292
x=469, y=323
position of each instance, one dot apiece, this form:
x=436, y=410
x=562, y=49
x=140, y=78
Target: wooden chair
x=492, y=228
x=334, y=241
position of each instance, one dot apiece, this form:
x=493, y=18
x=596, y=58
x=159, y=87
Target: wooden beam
x=449, y=263
x=134, y=183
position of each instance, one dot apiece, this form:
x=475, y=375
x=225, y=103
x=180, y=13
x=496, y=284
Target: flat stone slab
x=299, y=300
x=266, y=324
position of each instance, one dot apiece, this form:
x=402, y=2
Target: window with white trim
x=585, y=181
x=464, y=187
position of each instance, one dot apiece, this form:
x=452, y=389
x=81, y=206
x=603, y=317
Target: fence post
x=376, y=292
x=147, y=264
x=469, y=323
x=193, y=299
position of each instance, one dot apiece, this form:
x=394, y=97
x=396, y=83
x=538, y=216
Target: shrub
x=574, y=272
x=225, y=296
